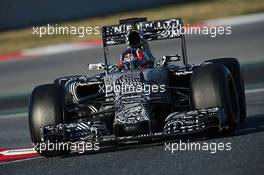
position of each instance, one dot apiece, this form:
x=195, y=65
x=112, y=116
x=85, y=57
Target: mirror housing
x=170, y=58
x=98, y=66
x=101, y=66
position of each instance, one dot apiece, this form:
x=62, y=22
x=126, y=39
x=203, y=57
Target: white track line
x=22, y=114
x=15, y=152
x=58, y=48
x=236, y=20
x=254, y=90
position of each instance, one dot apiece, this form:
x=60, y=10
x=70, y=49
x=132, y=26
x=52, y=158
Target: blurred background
x=18, y=17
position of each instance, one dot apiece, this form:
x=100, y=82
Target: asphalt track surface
x=245, y=157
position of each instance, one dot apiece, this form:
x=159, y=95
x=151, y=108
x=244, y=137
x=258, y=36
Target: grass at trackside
x=193, y=12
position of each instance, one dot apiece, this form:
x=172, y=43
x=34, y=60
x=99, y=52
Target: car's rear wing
x=152, y=30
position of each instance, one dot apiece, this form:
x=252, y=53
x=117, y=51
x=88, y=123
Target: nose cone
x=132, y=129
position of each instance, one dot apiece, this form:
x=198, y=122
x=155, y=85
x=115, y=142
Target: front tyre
x=212, y=85
x=45, y=108
x=233, y=66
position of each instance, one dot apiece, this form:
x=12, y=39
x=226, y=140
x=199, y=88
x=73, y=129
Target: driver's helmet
x=136, y=55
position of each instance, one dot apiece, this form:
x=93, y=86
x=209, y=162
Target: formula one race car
x=142, y=97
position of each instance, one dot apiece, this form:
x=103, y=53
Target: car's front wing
x=176, y=124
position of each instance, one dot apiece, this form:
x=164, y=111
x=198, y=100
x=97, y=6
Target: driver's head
x=134, y=39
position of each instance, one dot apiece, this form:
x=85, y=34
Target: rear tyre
x=233, y=66
x=212, y=85
x=45, y=108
